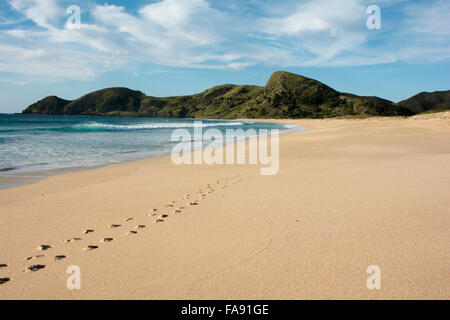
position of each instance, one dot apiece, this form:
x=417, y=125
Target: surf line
x=221, y=149
x=17, y=176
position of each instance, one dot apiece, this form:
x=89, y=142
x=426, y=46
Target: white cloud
x=14, y=82
x=430, y=18
x=42, y=12
x=425, y=32
x=331, y=16
x=49, y=64
x=198, y=34
x=165, y=31
x=323, y=31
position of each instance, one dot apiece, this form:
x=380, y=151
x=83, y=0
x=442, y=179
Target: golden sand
x=349, y=194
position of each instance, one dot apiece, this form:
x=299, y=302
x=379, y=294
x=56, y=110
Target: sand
x=349, y=194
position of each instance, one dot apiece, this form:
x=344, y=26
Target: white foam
x=174, y=125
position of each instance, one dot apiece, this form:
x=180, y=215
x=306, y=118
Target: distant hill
x=99, y=102
x=286, y=95
x=50, y=105
x=427, y=101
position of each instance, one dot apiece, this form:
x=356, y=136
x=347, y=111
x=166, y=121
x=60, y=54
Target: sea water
x=31, y=143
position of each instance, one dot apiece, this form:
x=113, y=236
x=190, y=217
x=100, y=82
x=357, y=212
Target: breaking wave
x=95, y=126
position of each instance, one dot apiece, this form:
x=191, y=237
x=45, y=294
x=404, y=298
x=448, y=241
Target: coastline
x=349, y=194
x=8, y=181
x=12, y=180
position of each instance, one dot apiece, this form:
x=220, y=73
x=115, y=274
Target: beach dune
x=350, y=193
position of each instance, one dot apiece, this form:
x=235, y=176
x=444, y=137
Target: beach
x=350, y=193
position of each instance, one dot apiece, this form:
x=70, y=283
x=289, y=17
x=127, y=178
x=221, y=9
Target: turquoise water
x=38, y=142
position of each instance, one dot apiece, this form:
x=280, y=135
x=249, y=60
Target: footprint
x=4, y=280
x=36, y=267
x=168, y=205
x=113, y=226
x=3, y=265
x=44, y=247
x=128, y=219
x=159, y=221
x=164, y=216
x=88, y=231
x=177, y=211
x=107, y=240
x=140, y=226
x=193, y=203
x=70, y=240
x=132, y=232
x=88, y=248
x=60, y=257
x=35, y=257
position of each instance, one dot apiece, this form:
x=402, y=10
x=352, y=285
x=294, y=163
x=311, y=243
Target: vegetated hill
x=226, y=101
x=95, y=103
x=286, y=95
x=50, y=105
x=105, y=101
x=427, y=101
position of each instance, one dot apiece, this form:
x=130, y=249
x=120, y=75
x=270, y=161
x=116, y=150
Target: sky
x=178, y=47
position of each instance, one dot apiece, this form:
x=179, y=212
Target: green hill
x=428, y=101
x=50, y=105
x=286, y=95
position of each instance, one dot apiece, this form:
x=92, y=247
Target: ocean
x=36, y=143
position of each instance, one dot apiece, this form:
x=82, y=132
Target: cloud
x=170, y=32
x=64, y=63
x=53, y=52
x=14, y=82
x=330, y=16
x=430, y=18
x=215, y=35
x=325, y=32
x=41, y=12
x=425, y=31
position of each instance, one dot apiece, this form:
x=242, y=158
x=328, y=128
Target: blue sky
x=175, y=47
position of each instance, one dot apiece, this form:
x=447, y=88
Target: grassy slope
x=428, y=101
x=285, y=95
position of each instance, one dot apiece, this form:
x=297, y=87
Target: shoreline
x=8, y=180
x=349, y=194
